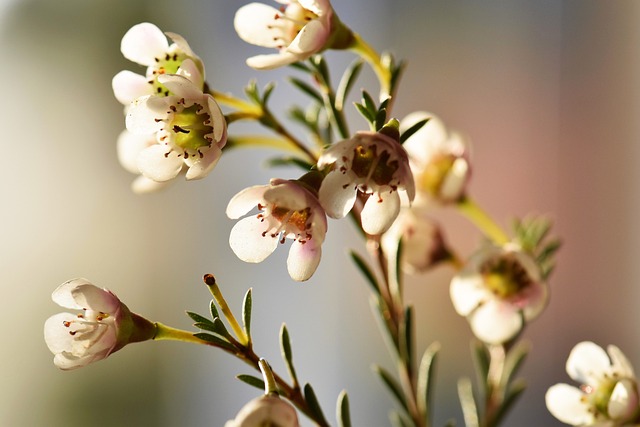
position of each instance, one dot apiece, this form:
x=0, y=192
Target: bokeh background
x=547, y=91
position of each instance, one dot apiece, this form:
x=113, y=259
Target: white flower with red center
x=439, y=159
x=370, y=163
x=146, y=45
x=189, y=126
x=499, y=290
x=608, y=392
x=299, y=29
x=104, y=326
x=129, y=146
x=266, y=411
x=287, y=210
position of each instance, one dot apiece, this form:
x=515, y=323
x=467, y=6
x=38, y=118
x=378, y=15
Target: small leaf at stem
x=198, y=318
x=306, y=88
x=512, y=395
x=215, y=340
x=425, y=383
x=347, y=81
x=246, y=314
x=220, y=329
x=289, y=161
x=251, y=380
x=381, y=118
x=213, y=310
x=366, y=271
x=369, y=104
x=206, y=326
x=301, y=67
x=481, y=361
x=392, y=385
x=342, y=409
x=268, y=90
x=413, y=129
x=468, y=403
x=314, y=405
x=514, y=360
x=369, y=116
x=398, y=419
x=287, y=353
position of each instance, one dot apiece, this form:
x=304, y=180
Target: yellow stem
x=237, y=103
x=369, y=54
x=217, y=295
x=483, y=221
x=263, y=141
x=164, y=332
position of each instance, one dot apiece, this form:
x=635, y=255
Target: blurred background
x=547, y=91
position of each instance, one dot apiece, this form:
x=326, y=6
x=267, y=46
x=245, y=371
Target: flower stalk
x=369, y=54
x=211, y=283
x=473, y=212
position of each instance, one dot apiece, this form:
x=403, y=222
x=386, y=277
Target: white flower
x=608, y=393
x=288, y=210
x=130, y=145
x=299, y=29
x=189, y=126
x=104, y=326
x=146, y=45
x=422, y=241
x=498, y=292
x=370, y=163
x=438, y=158
x=266, y=411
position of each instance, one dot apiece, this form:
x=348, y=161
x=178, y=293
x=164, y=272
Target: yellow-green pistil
x=167, y=64
x=505, y=276
x=192, y=128
x=368, y=164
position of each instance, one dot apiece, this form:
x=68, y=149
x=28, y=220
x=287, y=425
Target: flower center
x=434, y=174
x=167, y=64
x=89, y=326
x=190, y=127
x=367, y=164
x=289, y=22
x=505, y=276
x=289, y=222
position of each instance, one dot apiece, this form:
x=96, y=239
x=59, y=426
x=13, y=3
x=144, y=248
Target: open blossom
x=146, y=45
x=266, y=410
x=189, y=126
x=439, y=159
x=371, y=163
x=498, y=292
x=608, y=393
x=104, y=326
x=287, y=210
x=130, y=145
x=299, y=29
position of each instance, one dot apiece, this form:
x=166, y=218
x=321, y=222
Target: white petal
x=68, y=361
x=143, y=43
x=56, y=335
x=144, y=185
x=566, y=404
x=287, y=194
x=623, y=402
x=620, y=362
x=303, y=259
x=144, y=114
x=319, y=7
x=423, y=144
x=201, y=167
x=245, y=200
x=275, y=60
x=453, y=185
x=218, y=122
x=181, y=86
x=182, y=44
x=337, y=195
x=127, y=86
x=467, y=292
x=378, y=214
x=247, y=242
x=129, y=145
x=310, y=39
x=587, y=363
x=251, y=23
x=63, y=295
x=534, y=299
x=495, y=322
x=190, y=70
x=155, y=164
x=97, y=299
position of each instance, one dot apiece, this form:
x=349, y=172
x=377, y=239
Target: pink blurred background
x=547, y=91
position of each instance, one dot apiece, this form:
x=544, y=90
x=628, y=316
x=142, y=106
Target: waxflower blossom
x=146, y=45
x=499, y=290
x=129, y=146
x=189, y=126
x=288, y=210
x=370, y=163
x=104, y=326
x=267, y=410
x=299, y=29
x=608, y=393
x=439, y=160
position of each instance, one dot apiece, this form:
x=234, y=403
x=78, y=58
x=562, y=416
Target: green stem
x=237, y=103
x=167, y=333
x=482, y=220
x=363, y=49
x=228, y=314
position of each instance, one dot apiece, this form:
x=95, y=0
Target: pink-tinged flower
x=189, y=126
x=423, y=244
x=439, y=160
x=266, y=410
x=499, y=290
x=608, y=393
x=288, y=210
x=146, y=45
x=299, y=29
x=104, y=326
x=129, y=146
x=370, y=163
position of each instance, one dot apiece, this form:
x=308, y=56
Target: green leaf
x=424, y=387
x=251, y=90
x=215, y=340
x=287, y=353
x=398, y=419
x=513, y=361
x=468, y=403
x=306, y=88
x=481, y=361
x=213, y=310
x=314, y=405
x=381, y=119
x=301, y=67
x=392, y=385
x=321, y=68
x=514, y=392
x=198, y=318
x=413, y=129
x=251, y=380
x=246, y=314
x=206, y=326
x=368, y=102
x=268, y=90
x=348, y=79
x=406, y=335
x=366, y=271
x=342, y=409
x=369, y=116
x=220, y=329
x=289, y=161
